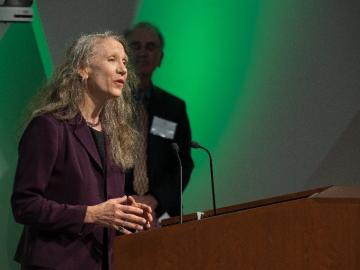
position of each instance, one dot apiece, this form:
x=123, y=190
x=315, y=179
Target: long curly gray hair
x=65, y=91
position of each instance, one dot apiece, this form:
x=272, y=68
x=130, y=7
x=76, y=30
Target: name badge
x=163, y=128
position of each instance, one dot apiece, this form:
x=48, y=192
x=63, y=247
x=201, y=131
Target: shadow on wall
x=341, y=165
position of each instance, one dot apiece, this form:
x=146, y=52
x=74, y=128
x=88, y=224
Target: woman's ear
x=83, y=73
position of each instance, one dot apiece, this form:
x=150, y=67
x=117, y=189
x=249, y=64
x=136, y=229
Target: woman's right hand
x=116, y=214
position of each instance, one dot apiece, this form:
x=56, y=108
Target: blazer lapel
x=83, y=134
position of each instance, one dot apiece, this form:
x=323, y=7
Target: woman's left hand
x=147, y=212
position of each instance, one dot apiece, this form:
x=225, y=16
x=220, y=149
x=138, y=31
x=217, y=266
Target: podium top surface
x=328, y=192
x=338, y=192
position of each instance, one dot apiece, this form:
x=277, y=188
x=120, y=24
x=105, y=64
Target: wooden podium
x=316, y=229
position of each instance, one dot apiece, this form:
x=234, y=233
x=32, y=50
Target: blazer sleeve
x=38, y=151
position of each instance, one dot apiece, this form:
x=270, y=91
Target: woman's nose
x=121, y=70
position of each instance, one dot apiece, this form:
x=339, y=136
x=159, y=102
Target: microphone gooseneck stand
x=176, y=148
x=197, y=145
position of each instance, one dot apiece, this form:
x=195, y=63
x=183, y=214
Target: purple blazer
x=59, y=173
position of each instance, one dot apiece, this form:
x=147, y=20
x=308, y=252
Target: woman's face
x=107, y=72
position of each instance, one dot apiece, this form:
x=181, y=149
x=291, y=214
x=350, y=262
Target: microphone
x=197, y=145
x=176, y=149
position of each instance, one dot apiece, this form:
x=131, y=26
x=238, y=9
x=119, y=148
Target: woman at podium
x=69, y=184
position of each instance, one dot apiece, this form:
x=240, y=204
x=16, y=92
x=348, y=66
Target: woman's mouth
x=120, y=81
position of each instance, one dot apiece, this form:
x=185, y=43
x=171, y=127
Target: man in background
x=162, y=120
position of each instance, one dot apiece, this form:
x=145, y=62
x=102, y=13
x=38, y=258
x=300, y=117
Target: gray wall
x=64, y=21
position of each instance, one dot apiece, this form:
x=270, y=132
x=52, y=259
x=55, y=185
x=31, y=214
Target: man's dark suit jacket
x=162, y=165
x=59, y=173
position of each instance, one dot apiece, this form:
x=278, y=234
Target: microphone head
x=175, y=146
x=195, y=144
